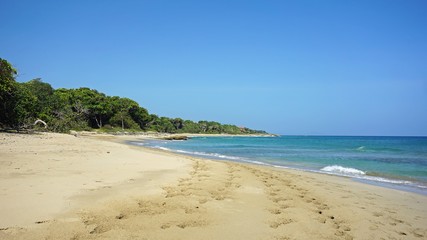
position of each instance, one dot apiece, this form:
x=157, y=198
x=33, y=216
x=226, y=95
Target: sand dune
x=90, y=188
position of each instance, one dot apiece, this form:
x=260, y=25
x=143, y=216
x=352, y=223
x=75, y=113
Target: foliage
x=86, y=109
x=7, y=79
x=8, y=89
x=17, y=102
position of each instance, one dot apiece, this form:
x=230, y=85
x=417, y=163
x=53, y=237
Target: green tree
x=8, y=88
x=190, y=127
x=178, y=123
x=96, y=104
x=203, y=126
x=166, y=126
x=84, y=109
x=121, y=108
x=25, y=108
x=124, y=121
x=17, y=103
x=140, y=115
x=66, y=112
x=153, y=122
x=214, y=127
x=43, y=93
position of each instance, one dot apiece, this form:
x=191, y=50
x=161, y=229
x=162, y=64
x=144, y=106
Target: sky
x=288, y=67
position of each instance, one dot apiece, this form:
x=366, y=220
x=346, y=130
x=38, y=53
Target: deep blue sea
x=398, y=162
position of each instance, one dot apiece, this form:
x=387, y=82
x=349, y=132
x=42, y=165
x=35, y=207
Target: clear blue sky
x=288, y=67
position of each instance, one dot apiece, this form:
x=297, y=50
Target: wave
x=331, y=169
x=137, y=143
x=260, y=163
x=162, y=148
x=342, y=170
x=359, y=174
x=387, y=180
x=361, y=148
x=204, y=154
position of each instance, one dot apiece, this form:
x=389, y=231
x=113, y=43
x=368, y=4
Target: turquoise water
x=391, y=161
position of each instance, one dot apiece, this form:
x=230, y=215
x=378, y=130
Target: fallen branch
x=40, y=121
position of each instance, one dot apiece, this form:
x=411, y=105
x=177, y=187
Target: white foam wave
x=343, y=170
x=215, y=155
x=162, y=148
x=359, y=174
x=386, y=180
x=204, y=154
x=257, y=162
x=137, y=143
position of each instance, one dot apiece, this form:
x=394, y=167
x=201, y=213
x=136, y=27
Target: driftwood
x=40, y=121
x=24, y=128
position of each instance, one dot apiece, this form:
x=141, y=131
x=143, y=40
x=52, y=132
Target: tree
x=124, y=120
x=96, y=104
x=8, y=88
x=84, y=109
x=214, y=127
x=203, y=126
x=7, y=79
x=24, y=111
x=190, y=127
x=140, y=115
x=66, y=112
x=178, y=123
x=153, y=122
x=43, y=93
x=121, y=108
x=17, y=102
x=166, y=126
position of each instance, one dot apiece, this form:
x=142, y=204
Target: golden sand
x=56, y=186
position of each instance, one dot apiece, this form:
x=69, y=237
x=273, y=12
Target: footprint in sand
x=275, y=211
x=419, y=233
x=281, y=221
x=192, y=223
x=42, y=221
x=377, y=214
x=100, y=229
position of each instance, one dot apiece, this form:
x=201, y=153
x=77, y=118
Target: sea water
x=398, y=162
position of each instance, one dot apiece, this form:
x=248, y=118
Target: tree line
x=21, y=104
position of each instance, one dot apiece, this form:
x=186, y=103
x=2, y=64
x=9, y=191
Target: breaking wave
x=213, y=155
x=343, y=170
x=359, y=174
x=203, y=154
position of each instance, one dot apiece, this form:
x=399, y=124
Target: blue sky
x=288, y=67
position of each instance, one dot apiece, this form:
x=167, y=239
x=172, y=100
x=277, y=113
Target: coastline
x=365, y=176
x=96, y=187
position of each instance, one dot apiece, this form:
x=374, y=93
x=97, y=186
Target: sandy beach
x=58, y=186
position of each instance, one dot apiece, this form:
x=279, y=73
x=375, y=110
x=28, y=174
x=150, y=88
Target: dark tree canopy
x=17, y=102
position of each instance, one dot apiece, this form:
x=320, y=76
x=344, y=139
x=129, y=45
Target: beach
x=58, y=186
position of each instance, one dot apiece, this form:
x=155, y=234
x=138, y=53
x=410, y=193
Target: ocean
x=396, y=162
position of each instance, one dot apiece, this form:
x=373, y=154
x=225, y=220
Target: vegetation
x=21, y=104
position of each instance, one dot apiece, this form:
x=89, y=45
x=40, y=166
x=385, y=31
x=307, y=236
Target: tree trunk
x=123, y=124
x=98, y=123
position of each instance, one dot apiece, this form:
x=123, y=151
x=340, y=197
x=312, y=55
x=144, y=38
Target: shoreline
x=383, y=184
x=400, y=184
x=131, y=192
